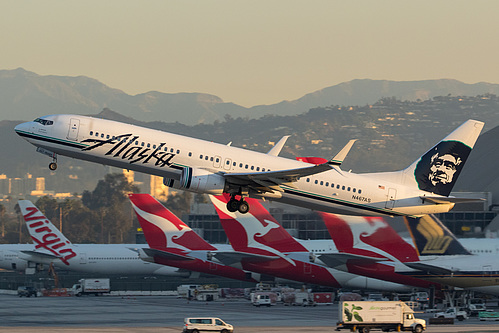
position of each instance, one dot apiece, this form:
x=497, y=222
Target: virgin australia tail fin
x=46, y=237
x=162, y=229
x=438, y=169
x=432, y=237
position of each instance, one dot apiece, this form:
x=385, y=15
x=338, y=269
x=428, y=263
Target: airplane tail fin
x=162, y=229
x=367, y=236
x=432, y=237
x=254, y=230
x=46, y=237
x=438, y=169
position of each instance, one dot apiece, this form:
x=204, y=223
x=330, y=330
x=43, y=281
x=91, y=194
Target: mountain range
x=25, y=95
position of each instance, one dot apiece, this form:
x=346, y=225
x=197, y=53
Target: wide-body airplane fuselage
x=199, y=166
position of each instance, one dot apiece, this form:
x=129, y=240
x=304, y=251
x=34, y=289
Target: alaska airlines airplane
x=262, y=245
x=206, y=167
x=51, y=246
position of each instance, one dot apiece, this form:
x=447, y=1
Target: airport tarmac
x=147, y=314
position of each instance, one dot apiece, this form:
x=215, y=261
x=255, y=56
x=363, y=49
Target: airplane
x=172, y=242
x=260, y=244
x=438, y=258
x=443, y=259
x=205, y=167
x=50, y=246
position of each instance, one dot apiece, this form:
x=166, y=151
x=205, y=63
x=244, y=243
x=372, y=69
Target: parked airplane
x=207, y=167
x=51, y=246
x=369, y=246
x=262, y=245
x=443, y=259
x=174, y=243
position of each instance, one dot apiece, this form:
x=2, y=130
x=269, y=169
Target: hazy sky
x=251, y=52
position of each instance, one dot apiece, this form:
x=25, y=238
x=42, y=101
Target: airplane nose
x=22, y=128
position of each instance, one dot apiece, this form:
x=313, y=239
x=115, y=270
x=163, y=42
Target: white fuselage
x=168, y=155
x=91, y=258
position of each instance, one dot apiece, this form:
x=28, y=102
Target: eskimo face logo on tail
x=126, y=147
x=438, y=169
x=38, y=225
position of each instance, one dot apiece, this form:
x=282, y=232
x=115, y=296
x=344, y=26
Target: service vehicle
x=476, y=305
x=91, y=286
x=262, y=300
x=455, y=313
x=387, y=316
x=206, y=324
x=27, y=291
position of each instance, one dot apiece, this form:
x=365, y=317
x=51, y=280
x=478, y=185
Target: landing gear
x=53, y=165
x=237, y=205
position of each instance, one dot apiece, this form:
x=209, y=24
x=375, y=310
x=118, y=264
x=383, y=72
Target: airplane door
x=74, y=127
x=227, y=163
x=217, y=161
x=390, y=202
x=83, y=258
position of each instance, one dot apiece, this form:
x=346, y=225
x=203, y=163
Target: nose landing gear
x=53, y=164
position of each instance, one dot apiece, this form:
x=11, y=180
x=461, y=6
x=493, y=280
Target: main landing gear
x=237, y=205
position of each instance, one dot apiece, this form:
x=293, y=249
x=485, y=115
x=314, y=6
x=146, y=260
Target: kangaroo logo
x=254, y=228
x=173, y=232
x=436, y=241
x=439, y=168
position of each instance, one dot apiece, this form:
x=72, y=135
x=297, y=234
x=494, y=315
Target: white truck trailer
x=364, y=316
x=91, y=286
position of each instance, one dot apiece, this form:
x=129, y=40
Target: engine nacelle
x=198, y=180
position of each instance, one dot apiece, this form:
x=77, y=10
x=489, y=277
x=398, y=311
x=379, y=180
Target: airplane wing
x=338, y=259
x=233, y=257
x=446, y=200
x=432, y=269
x=166, y=255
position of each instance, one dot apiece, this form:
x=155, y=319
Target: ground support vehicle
x=196, y=325
x=454, y=313
x=91, y=286
x=387, y=316
x=27, y=291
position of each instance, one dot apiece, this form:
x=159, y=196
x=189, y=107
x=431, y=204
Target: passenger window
x=348, y=189
x=206, y=158
x=343, y=187
x=252, y=167
x=201, y=156
x=178, y=151
x=257, y=168
x=308, y=180
x=190, y=154
x=96, y=133
x=316, y=181
x=102, y=135
x=148, y=145
x=107, y=136
x=322, y=182
x=360, y=191
x=91, y=132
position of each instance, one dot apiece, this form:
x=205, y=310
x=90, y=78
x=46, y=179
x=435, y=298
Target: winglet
x=274, y=151
x=338, y=158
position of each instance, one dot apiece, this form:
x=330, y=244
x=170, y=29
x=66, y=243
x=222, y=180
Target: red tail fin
x=162, y=228
x=256, y=229
x=370, y=236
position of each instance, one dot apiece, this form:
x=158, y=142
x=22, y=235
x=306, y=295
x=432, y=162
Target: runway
x=144, y=314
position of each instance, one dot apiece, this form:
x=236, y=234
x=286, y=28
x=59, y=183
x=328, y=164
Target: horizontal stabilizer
x=339, y=259
x=447, y=200
x=41, y=255
x=435, y=270
x=165, y=254
x=231, y=258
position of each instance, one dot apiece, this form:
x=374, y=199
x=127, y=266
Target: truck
x=91, y=286
x=455, y=313
x=387, y=316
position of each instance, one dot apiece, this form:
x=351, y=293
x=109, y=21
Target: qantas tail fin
x=46, y=237
x=438, y=169
x=254, y=230
x=162, y=229
x=432, y=237
x=367, y=236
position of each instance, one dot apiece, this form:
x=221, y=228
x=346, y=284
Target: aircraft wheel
x=243, y=207
x=232, y=205
x=53, y=166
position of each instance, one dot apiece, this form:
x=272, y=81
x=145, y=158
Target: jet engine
x=198, y=180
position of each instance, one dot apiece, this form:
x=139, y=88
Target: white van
x=196, y=325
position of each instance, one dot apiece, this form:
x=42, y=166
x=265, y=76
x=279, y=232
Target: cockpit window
x=44, y=122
